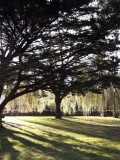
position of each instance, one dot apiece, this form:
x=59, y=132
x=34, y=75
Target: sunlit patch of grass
x=107, y=121
x=72, y=138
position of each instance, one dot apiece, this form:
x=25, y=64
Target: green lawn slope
x=72, y=138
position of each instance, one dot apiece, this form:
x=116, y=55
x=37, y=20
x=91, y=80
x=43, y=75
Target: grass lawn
x=72, y=138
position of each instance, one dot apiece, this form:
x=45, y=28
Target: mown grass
x=72, y=138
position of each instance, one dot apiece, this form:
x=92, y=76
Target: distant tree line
x=43, y=103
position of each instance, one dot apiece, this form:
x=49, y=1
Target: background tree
x=89, y=104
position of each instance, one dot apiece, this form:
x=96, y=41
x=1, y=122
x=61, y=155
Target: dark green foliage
x=78, y=113
x=48, y=113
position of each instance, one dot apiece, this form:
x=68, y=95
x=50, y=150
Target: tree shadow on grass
x=111, y=133
x=34, y=145
x=7, y=152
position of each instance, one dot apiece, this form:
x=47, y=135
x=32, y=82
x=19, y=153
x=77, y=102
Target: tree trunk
x=1, y=125
x=114, y=107
x=58, y=103
x=102, y=105
x=2, y=106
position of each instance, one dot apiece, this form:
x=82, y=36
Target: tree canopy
x=61, y=46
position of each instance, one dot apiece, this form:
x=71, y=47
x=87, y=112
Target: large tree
x=78, y=54
x=46, y=44
x=23, y=25
x=79, y=57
